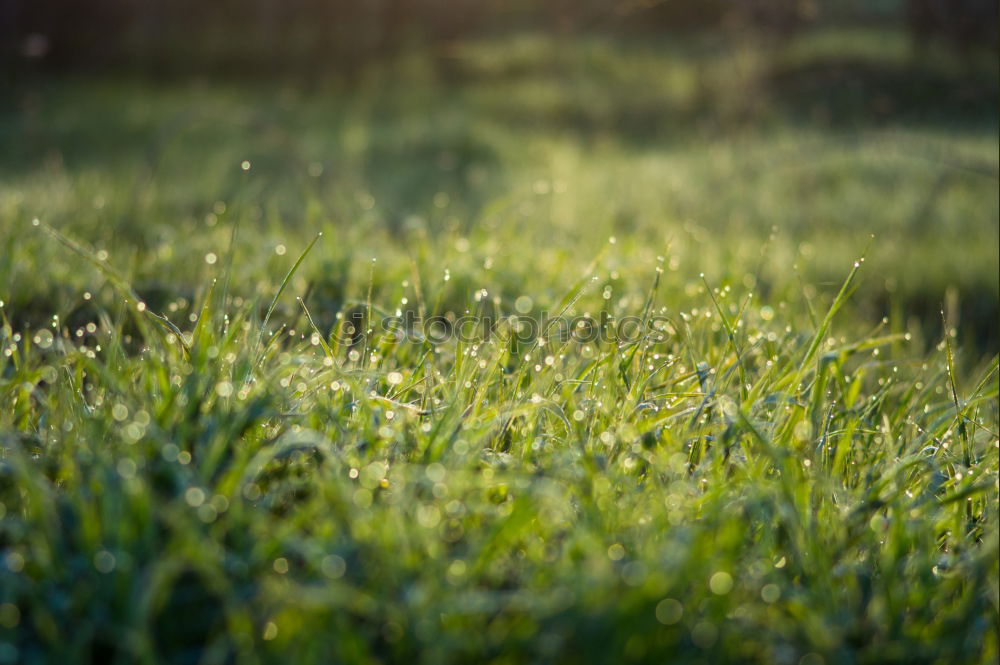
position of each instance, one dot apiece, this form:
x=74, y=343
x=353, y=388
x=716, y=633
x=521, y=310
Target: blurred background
x=322, y=36
x=762, y=142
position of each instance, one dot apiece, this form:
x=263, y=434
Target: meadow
x=767, y=433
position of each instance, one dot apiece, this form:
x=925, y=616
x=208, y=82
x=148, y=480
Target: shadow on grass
x=857, y=91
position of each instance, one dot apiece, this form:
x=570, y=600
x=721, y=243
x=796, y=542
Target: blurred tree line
x=159, y=36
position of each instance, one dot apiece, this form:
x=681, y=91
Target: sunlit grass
x=566, y=501
x=201, y=462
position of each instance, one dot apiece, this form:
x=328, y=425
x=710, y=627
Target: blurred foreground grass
x=755, y=483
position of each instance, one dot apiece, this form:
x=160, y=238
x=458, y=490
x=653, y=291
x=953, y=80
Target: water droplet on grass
x=669, y=611
x=104, y=561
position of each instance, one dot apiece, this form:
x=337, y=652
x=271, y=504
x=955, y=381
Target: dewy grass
x=479, y=502
x=779, y=469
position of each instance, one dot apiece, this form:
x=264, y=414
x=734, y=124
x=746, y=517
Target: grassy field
x=521, y=351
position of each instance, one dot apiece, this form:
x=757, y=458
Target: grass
x=216, y=449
